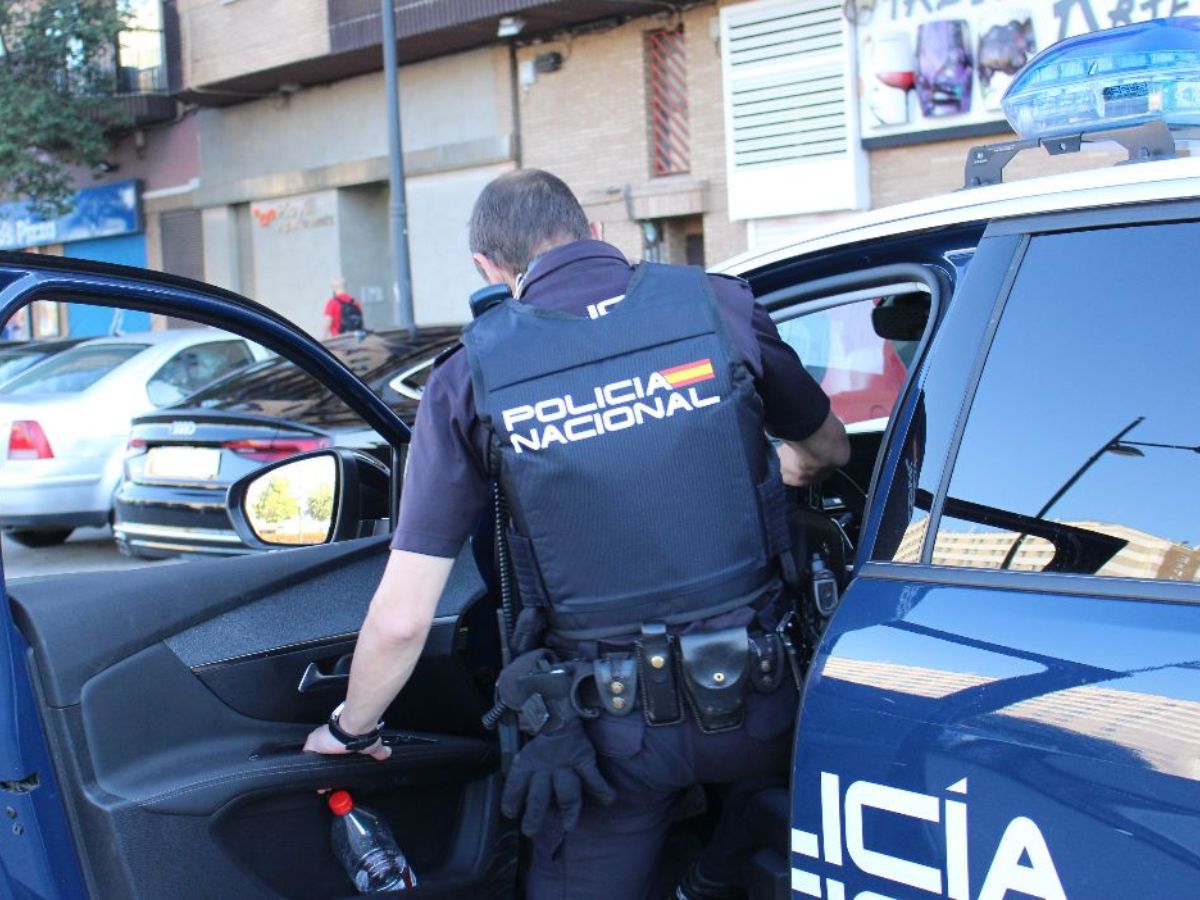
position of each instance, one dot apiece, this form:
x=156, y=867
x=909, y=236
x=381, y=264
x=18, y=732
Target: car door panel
x=85, y=624
x=254, y=657
x=171, y=698
x=1076, y=718
x=177, y=749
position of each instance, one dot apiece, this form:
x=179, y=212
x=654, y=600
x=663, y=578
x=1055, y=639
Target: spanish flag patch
x=689, y=373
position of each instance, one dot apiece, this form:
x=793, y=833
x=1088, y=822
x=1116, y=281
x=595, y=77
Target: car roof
x=422, y=336
x=1147, y=182
x=171, y=336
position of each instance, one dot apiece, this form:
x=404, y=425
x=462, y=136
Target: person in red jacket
x=342, y=312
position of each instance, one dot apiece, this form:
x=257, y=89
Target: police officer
x=623, y=411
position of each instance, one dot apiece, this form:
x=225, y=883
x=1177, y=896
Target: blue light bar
x=1110, y=79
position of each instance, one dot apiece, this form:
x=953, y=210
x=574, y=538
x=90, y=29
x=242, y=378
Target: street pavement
x=87, y=550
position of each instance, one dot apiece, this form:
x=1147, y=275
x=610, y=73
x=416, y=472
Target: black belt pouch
x=715, y=676
x=616, y=680
x=656, y=665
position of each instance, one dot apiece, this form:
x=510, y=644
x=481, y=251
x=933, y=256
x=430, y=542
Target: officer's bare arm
x=808, y=461
x=392, y=635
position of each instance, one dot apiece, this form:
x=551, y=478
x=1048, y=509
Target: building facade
x=692, y=131
x=789, y=113
x=293, y=142
x=294, y=189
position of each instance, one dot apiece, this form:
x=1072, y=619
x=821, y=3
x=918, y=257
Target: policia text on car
x=624, y=413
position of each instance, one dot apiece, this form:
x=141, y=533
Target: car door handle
x=314, y=679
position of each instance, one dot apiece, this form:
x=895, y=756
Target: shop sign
x=96, y=212
x=932, y=65
x=294, y=214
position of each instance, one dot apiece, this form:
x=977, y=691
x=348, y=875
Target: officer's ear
x=491, y=272
x=596, y=229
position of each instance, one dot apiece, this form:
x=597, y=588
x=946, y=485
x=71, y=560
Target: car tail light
x=135, y=446
x=272, y=449
x=28, y=441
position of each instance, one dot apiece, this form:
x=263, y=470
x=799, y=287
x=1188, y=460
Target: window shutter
x=791, y=127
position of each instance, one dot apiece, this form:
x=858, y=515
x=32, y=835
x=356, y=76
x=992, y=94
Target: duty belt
x=716, y=670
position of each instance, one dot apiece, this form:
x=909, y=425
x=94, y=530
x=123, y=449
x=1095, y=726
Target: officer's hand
x=797, y=467
x=321, y=741
x=554, y=770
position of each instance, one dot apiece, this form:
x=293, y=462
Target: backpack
x=352, y=318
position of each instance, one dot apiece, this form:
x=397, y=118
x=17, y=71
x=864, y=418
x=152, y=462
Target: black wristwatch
x=352, y=742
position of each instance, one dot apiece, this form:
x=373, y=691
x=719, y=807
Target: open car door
x=161, y=712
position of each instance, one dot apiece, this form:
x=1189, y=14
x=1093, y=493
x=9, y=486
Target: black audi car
x=181, y=459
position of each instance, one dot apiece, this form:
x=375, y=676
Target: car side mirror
x=312, y=498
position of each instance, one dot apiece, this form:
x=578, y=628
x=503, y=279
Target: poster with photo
x=930, y=65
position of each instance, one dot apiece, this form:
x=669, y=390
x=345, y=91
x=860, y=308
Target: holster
x=714, y=667
x=543, y=693
x=656, y=666
x=616, y=681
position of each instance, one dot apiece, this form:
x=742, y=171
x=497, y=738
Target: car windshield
x=71, y=371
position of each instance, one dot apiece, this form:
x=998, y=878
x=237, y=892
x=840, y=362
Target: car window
x=194, y=368
x=861, y=371
x=72, y=370
x=410, y=383
x=1081, y=451
x=14, y=362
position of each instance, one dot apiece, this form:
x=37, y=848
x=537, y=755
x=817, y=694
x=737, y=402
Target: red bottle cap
x=340, y=802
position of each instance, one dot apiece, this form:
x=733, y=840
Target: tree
x=57, y=95
x=276, y=503
x=320, y=503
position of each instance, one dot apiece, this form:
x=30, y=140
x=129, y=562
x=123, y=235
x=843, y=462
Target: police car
x=1005, y=703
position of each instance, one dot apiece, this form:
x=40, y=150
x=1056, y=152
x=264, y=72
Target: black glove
x=554, y=767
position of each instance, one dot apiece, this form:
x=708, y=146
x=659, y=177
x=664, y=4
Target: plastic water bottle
x=366, y=848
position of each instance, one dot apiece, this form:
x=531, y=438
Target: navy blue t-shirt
x=446, y=483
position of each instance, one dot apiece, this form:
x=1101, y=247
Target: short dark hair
x=524, y=213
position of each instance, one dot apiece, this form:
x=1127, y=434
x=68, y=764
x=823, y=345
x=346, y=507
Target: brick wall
x=587, y=123
x=222, y=39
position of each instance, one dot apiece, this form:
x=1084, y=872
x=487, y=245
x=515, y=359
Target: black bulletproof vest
x=632, y=452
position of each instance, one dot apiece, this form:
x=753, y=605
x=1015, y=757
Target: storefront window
x=48, y=319
x=142, y=56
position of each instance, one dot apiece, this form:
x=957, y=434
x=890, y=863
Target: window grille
x=666, y=73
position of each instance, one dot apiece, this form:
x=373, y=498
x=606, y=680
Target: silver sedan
x=65, y=421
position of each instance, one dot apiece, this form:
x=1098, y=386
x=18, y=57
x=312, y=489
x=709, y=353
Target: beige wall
x=587, y=123
x=225, y=39
x=455, y=112
x=901, y=174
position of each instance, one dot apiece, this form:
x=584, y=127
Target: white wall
x=365, y=251
x=295, y=246
x=439, y=207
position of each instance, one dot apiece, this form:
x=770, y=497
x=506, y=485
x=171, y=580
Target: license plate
x=187, y=463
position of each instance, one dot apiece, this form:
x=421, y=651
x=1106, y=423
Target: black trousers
x=614, y=852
